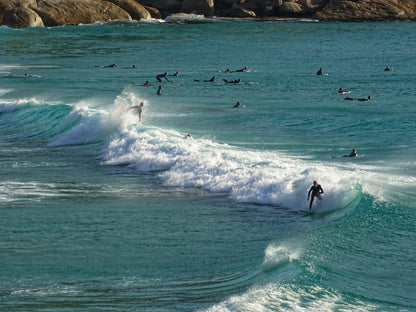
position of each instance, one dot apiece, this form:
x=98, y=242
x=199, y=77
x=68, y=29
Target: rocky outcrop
x=75, y=12
x=29, y=13
x=368, y=10
x=38, y=13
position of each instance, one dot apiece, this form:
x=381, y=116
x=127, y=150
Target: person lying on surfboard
x=316, y=190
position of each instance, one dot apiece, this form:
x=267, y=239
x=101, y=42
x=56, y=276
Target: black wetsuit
x=316, y=191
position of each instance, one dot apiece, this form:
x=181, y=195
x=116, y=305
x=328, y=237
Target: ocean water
x=101, y=211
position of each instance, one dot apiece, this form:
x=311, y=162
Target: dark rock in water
x=21, y=18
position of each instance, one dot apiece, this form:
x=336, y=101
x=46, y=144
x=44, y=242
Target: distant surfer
x=188, y=136
x=387, y=68
x=320, y=72
x=112, y=65
x=147, y=84
x=368, y=98
x=138, y=110
x=234, y=81
x=316, y=191
x=342, y=91
x=238, y=105
x=159, y=90
x=353, y=153
x=160, y=76
x=175, y=74
x=242, y=70
x=227, y=71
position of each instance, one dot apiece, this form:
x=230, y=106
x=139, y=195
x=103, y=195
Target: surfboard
x=344, y=92
x=176, y=81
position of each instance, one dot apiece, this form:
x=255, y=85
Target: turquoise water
x=102, y=212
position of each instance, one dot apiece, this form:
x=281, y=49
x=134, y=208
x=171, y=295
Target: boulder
x=135, y=10
x=154, y=13
x=74, y=12
x=291, y=9
x=22, y=17
x=238, y=11
x=202, y=7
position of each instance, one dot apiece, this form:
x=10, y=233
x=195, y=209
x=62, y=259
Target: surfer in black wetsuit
x=316, y=190
x=160, y=76
x=320, y=72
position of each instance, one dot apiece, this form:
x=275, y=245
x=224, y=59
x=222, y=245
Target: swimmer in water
x=316, y=191
x=238, y=105
x=320, y=72
x=159, y=90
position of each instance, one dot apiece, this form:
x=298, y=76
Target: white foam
x=88, y=124
x=281, y=297
x=8, y=106
x=247, y=176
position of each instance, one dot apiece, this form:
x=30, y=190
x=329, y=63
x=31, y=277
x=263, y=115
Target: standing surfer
x=316, y=190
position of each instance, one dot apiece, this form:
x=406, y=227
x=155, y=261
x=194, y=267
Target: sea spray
x=246, y=176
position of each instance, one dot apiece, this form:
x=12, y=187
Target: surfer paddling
x=316, y=191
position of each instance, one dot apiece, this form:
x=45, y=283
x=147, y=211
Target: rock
x=154, y=13
x=368, y=10
x=203, y=7
x=74, y=12
x=135, y=10
x=166, y=7
x=238, y=11
x=22, y=17
x=291, y=9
